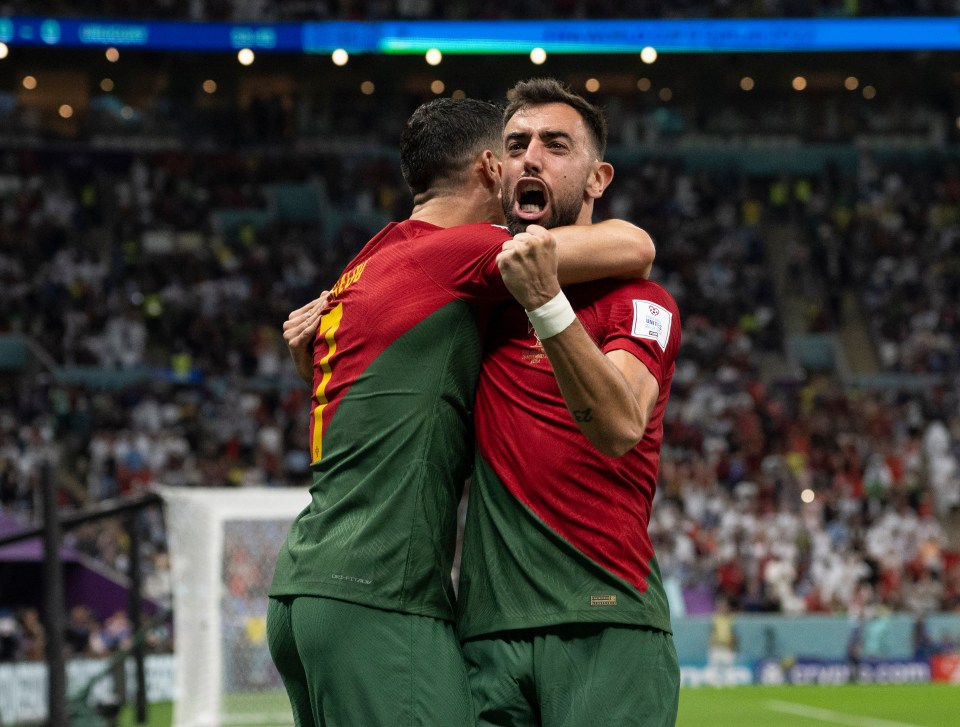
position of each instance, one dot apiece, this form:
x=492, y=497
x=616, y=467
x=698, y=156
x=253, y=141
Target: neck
x=462, y=206
x=586, y=214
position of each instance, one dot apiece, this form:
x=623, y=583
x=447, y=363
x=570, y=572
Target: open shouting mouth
x=531, y=200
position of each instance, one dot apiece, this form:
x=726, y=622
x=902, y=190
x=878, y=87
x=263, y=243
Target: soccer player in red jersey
x=361, y=608
x=562, y=610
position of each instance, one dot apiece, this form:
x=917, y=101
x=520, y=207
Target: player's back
x=396, y=361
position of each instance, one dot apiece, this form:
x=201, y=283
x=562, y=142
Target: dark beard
x=563, y=213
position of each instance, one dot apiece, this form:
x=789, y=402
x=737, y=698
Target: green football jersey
x=396, y=360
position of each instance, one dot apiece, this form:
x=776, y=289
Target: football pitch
x=915, y=705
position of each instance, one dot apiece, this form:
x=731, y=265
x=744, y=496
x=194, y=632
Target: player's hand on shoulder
x=299, y=330
x=301, y=325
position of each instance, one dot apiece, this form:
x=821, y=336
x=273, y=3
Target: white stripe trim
x=829, y=715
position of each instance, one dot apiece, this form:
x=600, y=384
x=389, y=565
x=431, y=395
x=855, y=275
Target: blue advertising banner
x=495, y=37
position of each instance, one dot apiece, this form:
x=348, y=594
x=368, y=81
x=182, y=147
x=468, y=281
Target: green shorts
x=346, y=665
x=576, y=674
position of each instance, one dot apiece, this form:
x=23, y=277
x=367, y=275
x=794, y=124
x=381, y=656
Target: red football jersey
x=599, y=505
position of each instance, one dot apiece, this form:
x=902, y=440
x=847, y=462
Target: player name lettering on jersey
x=652, y=321
x=348, y=279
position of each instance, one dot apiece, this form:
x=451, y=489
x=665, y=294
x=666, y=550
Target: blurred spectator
x=9, y=636
x=722, y=652
x=81, y=627
x=33, y=638
x=117, y=633
x=923, y=645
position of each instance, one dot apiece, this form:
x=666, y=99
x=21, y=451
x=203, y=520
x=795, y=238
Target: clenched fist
x=528, y=264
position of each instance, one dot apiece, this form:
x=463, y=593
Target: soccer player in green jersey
x=361, y=609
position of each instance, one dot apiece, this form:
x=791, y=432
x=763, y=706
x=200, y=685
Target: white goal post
x=223, y=547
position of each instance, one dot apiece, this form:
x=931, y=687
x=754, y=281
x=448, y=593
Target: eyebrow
x=547, y=135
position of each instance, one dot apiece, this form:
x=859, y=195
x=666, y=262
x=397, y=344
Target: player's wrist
x=552, y=317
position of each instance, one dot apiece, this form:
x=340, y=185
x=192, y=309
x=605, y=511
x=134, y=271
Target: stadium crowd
x=156, y=283
x=881, y=465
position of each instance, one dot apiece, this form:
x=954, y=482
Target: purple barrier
x=21, y=577
x=698, y=600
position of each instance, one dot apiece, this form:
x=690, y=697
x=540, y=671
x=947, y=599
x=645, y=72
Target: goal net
x=223, y=547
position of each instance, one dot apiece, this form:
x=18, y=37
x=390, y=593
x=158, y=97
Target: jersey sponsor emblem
x=603, y=600
x=652, y=321
x=536, y=354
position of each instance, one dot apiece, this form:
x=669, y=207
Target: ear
x=491, y=169
x=599, y=180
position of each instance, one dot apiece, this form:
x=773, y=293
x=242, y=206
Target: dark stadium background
x=155, y=230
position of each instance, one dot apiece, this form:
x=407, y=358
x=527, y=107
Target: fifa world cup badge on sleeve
x=652, y=321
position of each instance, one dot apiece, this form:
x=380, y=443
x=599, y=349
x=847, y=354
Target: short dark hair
x=444, y=135
x=540, y=91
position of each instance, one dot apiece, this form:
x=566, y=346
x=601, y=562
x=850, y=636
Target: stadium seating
x=144, y=282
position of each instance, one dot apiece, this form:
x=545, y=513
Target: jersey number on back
x=329, y=323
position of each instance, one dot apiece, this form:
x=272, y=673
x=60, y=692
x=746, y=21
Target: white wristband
x=552, y=317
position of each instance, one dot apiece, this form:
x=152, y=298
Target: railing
x=54, y=609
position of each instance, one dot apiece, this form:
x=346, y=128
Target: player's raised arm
x=610, y=396
x=609, y=249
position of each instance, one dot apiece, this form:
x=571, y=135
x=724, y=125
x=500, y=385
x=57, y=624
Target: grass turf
x=915, y=705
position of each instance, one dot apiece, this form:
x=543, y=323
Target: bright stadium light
x=65, y=111
x=245, y=56
x=4, y=51
x=29, y=82
x=538, y=56
x=434, y=57
x=808, y=496
x=799, y=83
x=112, y=54
x=851, y=83
x=592, y=85
x=648, y=55
x=340, y=57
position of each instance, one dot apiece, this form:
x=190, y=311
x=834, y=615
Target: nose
x=533, y=158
